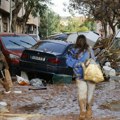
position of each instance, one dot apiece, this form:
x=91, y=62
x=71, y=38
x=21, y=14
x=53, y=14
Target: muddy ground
x=59, y=102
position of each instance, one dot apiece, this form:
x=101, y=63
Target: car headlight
x=12, y=56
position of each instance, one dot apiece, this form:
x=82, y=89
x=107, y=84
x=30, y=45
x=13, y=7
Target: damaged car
x=47, y=57
x=12, y=45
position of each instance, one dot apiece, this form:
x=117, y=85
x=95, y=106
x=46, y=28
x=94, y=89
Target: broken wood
x=6, y=80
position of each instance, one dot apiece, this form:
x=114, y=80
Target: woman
x=82, y=52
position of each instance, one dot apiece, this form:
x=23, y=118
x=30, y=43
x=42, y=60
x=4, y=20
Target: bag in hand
x=92, y=71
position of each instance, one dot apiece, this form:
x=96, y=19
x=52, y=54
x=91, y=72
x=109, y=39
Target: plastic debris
x=36, y=82
x=22, y=81
x=18, y=92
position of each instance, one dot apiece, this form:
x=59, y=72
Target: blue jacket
x=82, y=57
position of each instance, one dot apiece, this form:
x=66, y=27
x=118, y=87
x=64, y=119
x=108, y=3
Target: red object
x=12, y=46
x=54, y=60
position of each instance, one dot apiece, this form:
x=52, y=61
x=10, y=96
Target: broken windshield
x=18, y=42
x=26, y=42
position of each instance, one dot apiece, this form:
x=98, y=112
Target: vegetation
x=30, y=7
x=49, y=23
x=106, y=11
x=73, y=25
x=18, y=5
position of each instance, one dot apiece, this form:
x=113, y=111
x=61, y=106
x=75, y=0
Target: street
x=59, y=102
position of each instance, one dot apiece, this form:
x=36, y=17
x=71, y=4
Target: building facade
x=5, y=18
x=4, y=15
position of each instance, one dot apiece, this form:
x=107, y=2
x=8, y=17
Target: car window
x=18, y=42
x=50, y=47
x=116, y=43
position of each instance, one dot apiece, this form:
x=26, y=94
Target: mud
x=113, y=106
x=59, y=102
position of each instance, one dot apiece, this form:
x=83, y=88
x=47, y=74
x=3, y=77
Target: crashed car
x=61, y=36
x=47, y=56
x=12, y=45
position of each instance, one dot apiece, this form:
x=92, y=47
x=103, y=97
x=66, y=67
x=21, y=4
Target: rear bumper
x=47, y=69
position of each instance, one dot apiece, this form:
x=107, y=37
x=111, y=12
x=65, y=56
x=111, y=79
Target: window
x=18, y=42
x=50, y=47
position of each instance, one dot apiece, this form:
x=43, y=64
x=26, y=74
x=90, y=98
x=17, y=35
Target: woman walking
x=82, y=52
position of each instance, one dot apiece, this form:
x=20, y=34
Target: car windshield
x=50, y=47
x=18, y=42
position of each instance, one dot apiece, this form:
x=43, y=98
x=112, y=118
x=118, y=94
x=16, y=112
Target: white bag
x=22, y=81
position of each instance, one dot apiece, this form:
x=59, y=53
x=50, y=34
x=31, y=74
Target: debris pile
x=107, y=50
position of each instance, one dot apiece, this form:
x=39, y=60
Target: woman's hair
x=81, y=43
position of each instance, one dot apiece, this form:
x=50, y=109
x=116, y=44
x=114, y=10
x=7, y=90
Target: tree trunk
x=25, y=19
x=13, y=25
x=24, y=27
x=18, y=6
x=113, y=29
x=105, y=29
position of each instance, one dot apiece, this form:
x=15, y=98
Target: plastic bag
x=92, y=71
x=22, y=81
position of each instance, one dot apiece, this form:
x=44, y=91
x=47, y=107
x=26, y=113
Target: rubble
x=36, y=82
x=3, y=107
x=108, y=70
x=107, y=50
x=22, y=81
x=5, y=77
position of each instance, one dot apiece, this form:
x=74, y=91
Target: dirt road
x=59, y=102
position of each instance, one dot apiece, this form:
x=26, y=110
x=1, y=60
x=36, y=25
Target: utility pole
x=10, y=15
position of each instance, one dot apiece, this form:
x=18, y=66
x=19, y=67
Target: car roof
x=56, y=41
x=12, y=34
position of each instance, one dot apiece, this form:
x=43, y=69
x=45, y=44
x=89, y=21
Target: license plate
x=38, y=58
